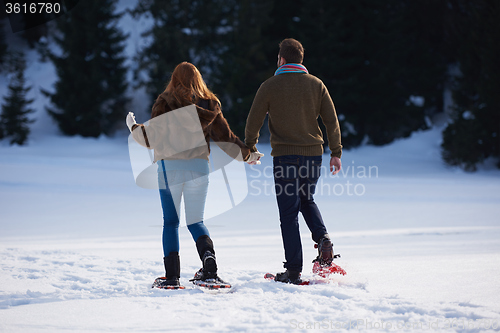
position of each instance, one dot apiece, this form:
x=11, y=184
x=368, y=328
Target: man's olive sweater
x=294, y=102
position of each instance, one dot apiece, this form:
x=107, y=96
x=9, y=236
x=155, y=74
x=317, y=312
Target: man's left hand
x=335, y=162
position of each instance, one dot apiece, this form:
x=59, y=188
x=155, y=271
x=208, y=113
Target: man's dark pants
x=295, y=179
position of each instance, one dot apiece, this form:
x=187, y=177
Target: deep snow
x=81, y=245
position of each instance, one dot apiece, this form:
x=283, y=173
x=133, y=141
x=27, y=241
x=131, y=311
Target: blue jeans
x=175, y=184
x=295, y=179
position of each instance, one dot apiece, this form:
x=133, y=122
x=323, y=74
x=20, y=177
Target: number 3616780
x=32, y=8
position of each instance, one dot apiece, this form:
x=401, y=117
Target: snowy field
x=80, y=245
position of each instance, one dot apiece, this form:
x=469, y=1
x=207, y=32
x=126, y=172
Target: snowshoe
x=164, y=283
x=326, y=270
x=323, y=264
x=292, y=277
x=209, y=281
x=325, y=251
x=285, y=278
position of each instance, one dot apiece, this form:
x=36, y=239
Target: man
x=294, y=100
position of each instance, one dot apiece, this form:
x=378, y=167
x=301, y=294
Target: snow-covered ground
x=80, y=245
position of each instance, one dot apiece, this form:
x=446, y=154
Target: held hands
x=130, y=120
x=254, y=158
x=335, y=162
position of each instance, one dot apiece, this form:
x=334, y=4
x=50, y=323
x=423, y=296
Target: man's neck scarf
x=291, y=68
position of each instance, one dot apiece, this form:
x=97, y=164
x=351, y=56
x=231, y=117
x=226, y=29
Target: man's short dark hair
x=292, y=51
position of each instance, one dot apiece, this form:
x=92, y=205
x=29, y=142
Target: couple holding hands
x=294, y=100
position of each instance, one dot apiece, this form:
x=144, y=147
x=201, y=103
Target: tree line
x=390, y=65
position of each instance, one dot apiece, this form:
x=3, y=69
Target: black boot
x=288, y=276
x=325, y=251
x=206, y=251
x=172, y=269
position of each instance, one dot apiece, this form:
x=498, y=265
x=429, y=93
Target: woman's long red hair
x=186, y=87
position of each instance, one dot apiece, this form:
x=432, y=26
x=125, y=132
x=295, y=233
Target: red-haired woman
x=186, y=173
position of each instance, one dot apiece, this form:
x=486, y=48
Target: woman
x=185, y=172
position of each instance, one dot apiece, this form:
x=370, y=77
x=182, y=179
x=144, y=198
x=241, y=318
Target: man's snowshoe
x=326, y=270
x=292, y=277
x=323, y=264
x=325, y=251
x=272, y=277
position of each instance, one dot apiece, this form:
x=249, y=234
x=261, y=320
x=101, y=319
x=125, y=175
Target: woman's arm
x=221, y=132
x=140, y=136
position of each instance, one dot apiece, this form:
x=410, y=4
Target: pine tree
x=223, y=38
x=373, y=55
x=244, y=64
x=171, y=42
x=89, y=95
x=474, y=131
x=182, y=31
x=3, y=46
x=14, y=119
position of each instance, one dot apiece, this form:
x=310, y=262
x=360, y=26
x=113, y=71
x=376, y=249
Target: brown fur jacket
x=213, y=124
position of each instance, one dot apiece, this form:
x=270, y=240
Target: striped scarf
x=291, y=68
